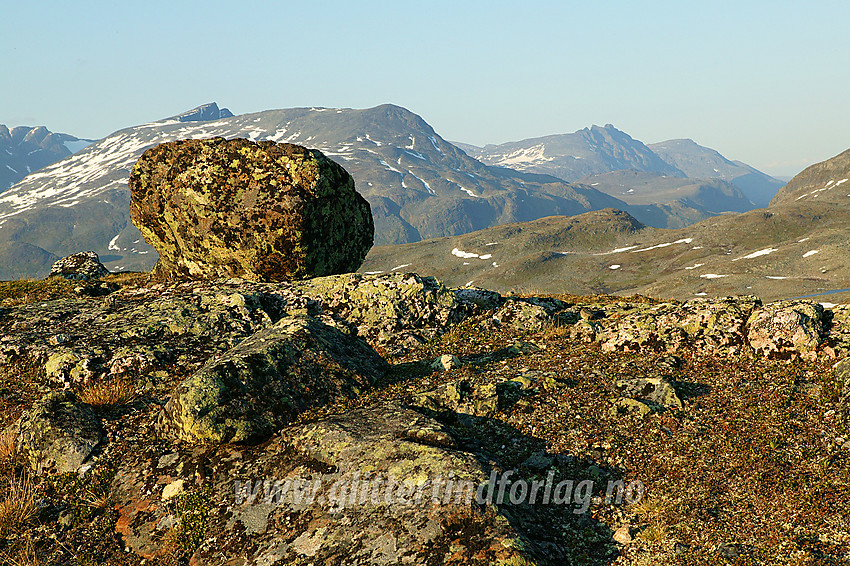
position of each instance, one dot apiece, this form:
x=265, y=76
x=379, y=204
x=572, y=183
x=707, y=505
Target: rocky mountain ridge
x=418, y=184
x=600, y=150
x=24, y=150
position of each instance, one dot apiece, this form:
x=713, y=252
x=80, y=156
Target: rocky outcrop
x=399, y=309
x=260, y=211
x=77, y=340
x=716, y=325
x=378, y=485
x=268, y=430
x=82, y=266
x=266, y=381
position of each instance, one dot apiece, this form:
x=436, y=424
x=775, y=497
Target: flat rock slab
x=267, y=380
x=351, y=489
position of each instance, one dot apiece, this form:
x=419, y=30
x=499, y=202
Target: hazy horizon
x=755, y=82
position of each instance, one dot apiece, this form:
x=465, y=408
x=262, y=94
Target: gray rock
x=269, y=379
x=367, y=482
x=58, y=433
x=533, y=313
x=654, y=389
x=445, y=362
x=481, y=298
x=82, y=266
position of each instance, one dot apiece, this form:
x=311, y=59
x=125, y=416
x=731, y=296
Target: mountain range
x=596, y=150
x=419, y=185
x=24, y=149
x=797, y=246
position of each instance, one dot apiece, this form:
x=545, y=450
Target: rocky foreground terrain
x=141, y=419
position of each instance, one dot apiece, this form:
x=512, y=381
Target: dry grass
x=18, y=505
x=129, y=278
x=553, y=331
x=108, y=394
x=650, y=507
x=654, y=533
x=8, y=447
x=23, y=555
x=26, y=291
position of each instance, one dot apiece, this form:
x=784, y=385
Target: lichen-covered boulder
x=786, y=329
x=656, y=390
x=261, y=211
x=58, y=433
x=267, y=380
x=82, y=266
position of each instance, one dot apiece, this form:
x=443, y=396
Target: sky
x=764, y=82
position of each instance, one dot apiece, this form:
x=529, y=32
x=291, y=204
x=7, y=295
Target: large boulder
x=261, y=211
x=267, y=380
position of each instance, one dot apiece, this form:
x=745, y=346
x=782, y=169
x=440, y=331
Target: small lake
x=834, y=291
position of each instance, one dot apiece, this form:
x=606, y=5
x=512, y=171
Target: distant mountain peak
x=204, y=113
x=701, y=162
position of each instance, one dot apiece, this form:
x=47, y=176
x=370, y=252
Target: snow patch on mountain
x=664, y=245
x=759, y=253
x=831, y=184
x=465, y=255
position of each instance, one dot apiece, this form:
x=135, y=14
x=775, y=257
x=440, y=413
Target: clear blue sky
x=763, y=82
